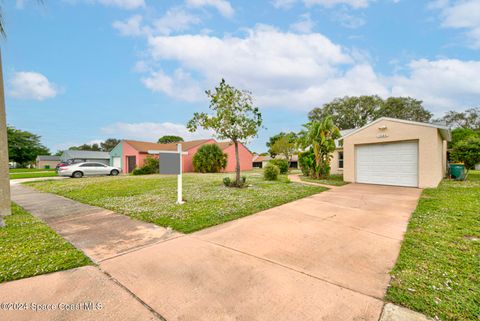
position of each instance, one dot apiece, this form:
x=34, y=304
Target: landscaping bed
x=335, y=180
x=29, y=247
x=438, y=270
x=152, y=198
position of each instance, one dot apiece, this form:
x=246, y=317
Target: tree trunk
x=237, y=166
x=5, y=202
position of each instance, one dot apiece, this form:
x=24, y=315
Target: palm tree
x=5, y=206
x=5, y=201
x=321, y=136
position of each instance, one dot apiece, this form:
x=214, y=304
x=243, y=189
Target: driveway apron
x=324, y=257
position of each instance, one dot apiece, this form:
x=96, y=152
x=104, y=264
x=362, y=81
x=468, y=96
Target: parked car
x=78, y=170
x=61, y=164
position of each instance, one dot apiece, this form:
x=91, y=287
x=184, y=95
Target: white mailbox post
x=171, y=164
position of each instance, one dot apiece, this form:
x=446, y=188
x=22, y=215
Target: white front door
x=387, y=164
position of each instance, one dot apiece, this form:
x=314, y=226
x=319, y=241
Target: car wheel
x=114, y=172
x=77, y=175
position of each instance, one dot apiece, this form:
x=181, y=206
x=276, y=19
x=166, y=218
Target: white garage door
x=116, y=162
x=388, y=164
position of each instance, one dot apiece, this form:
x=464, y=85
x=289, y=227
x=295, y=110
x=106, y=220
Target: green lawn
x=152, y=198
x=29, y=247
x=30, y=170
x=335, y=180
x=438, y=270
x=18, y=175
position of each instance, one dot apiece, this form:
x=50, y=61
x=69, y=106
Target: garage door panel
x=387, y=164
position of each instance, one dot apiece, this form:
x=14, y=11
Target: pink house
x=129, y=154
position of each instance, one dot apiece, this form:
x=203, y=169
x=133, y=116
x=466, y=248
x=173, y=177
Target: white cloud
x=124, y=4
x=331, y=3
x=151, y=131
x=282, y=69
x=175, y=19
x=349, y=20
x=304, y=25
x=223, y=7
x=464, y=14
x=180, y=85
x=31, y=85
x=299, y=71
x=443, y=84
x=131, y=27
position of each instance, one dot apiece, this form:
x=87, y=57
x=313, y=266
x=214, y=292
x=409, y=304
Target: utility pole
x=5, y=202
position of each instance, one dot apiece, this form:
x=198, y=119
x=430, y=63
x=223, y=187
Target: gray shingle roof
x=48, y=158
x=84, y=154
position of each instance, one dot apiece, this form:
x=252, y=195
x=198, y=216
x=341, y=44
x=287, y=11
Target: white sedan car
x=79, y=170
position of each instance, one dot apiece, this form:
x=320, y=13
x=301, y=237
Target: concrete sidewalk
x=98, y=232
x=79, y=294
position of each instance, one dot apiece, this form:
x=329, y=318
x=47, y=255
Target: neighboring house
x=260, y=161
x=79, y=156
x=391, y=151
x=47, y=161
x=129, y=154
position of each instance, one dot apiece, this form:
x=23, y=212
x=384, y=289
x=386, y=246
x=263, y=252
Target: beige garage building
x=392, y=151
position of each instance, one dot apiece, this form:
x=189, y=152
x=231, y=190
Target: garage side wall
x=430, y=148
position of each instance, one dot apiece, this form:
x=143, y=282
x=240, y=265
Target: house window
x=340, y=159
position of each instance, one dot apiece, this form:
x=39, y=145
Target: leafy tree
x=349, y=112
x=467, y=152
x=404, y=108
x=94, y=147
x=167, y=139
x=355, y=112
x=234, y=118
x=460, y=134
x=292, y=137
x=282, y=143
x=469, y=119
x=23, y=146
x=109, y=144
x=209, y=159
x=321, y=136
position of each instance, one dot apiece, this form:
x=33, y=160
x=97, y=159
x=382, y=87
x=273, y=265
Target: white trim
x=444, y=130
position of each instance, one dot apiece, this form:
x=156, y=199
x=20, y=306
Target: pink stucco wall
x=188, y=159
x=245, y=158
x=128, y=151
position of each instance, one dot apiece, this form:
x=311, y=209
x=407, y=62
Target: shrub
x=150, y=166
x=229, y=183
x=271, y=172
x=282, y=164
x=306, y=160
x=209, y=159
x=467, y=151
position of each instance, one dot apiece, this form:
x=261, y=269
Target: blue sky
x=80, y=71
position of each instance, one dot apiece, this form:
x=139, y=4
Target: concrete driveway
x=325, y=257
